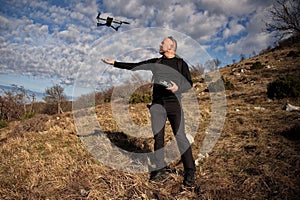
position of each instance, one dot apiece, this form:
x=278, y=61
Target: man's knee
x=158, y=117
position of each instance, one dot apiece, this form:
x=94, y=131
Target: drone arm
x=120, y=22
x=99, y=18
x=117, y=22
x=100, y=24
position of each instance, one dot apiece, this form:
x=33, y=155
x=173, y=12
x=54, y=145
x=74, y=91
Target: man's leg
x=176, y=118
x=158, y=121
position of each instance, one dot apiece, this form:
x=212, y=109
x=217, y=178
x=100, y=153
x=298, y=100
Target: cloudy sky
x=43, y=43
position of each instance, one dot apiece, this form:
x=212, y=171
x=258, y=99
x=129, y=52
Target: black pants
x=161, y=111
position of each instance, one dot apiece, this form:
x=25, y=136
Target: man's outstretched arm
x=128, y=66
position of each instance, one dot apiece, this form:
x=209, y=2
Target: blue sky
x=57, y=42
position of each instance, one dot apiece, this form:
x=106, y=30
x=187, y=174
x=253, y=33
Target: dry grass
x=256, y=157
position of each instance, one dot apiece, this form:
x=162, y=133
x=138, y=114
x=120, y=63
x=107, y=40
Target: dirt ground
x=256, y=155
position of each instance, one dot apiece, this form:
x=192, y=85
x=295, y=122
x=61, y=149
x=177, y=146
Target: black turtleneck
x=163, y=69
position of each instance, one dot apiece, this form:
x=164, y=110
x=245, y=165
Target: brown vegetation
x=256, y=157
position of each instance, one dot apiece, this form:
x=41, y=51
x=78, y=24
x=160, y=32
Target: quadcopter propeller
x=99, y=18
x=120, y=22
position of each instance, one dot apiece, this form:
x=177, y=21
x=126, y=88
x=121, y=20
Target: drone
x=109, y=21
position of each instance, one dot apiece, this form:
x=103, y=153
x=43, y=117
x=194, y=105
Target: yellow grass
x=255, y=158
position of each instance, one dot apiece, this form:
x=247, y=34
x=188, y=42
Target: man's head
x=168, y=46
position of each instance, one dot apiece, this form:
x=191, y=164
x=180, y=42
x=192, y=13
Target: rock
x=84, y=193
x=259, y=108
x=190, y=138
x=200, y=157
x=289, y=107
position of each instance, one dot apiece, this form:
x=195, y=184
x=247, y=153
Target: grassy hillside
x=256, y=157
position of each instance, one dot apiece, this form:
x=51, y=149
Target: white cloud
x=229, y=7
x=234, y=28
x=4, y=22
x=131, y=8
x=71, y=35
x=256, y=39
x=48, y=40
x=204, y=26
x=249, y=44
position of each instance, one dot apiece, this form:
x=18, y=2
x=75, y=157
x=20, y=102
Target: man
x=171, y=78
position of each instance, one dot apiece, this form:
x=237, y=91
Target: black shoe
x=158, y=175
x=189, y=179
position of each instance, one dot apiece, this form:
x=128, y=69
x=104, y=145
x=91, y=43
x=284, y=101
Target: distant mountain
x=38, y=95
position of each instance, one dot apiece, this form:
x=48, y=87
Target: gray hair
x=174, y=43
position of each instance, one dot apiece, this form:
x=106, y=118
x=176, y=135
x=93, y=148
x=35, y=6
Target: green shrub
x=293, y=54
x=3, y=124
x=288, y=86
x=140, y=98
x=28, y=115
x=256, y=65
x=292, y=133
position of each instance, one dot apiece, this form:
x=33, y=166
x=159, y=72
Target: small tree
x=32, y=101
x=55, y=95
x=11, y=106
x=20, y=96
x=197, y=70
x=212, y=64
x=285, y=16
x=242, y=56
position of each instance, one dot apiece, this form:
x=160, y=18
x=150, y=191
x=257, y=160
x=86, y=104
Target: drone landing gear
x=115, y=28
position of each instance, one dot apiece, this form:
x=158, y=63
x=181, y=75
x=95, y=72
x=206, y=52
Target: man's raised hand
x=108, y=61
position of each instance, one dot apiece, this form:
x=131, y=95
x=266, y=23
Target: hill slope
x=256, y=157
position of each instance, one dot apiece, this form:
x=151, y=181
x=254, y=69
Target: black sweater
x=166, y=70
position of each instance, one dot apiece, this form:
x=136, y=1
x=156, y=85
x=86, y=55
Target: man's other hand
x=174, y=88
